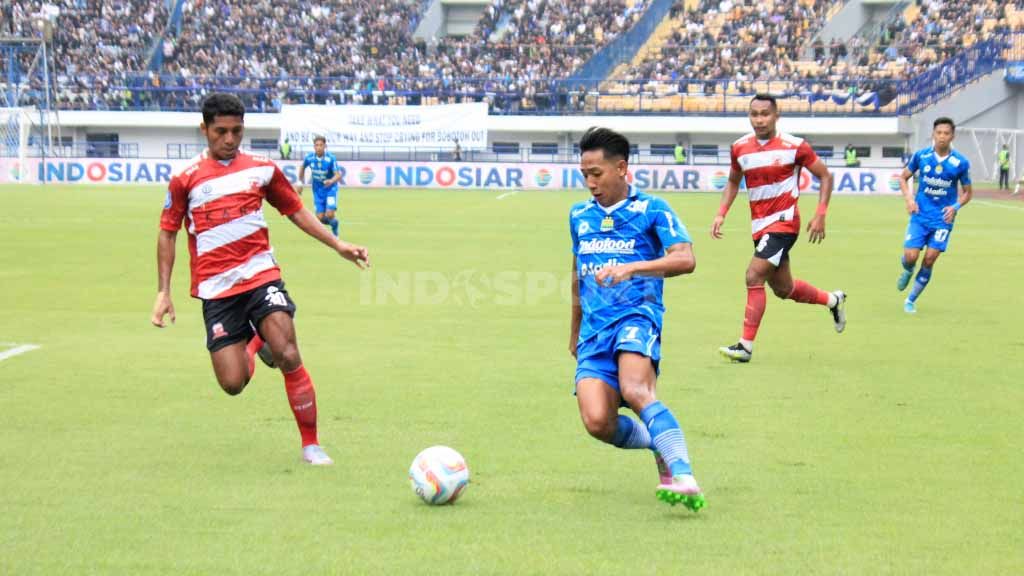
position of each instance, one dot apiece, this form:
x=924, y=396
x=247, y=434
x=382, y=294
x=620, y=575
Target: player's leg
x=331, y=208
x=924, y=275
x=638, y=380
x=227, y=333
x=271, y=310
x=786, y=287
x=757, y=274
x=915, y=239
x=597, y=394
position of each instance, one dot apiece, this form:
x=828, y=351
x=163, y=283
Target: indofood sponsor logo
x=366, y=175
x=719, y=180
x=542, y=177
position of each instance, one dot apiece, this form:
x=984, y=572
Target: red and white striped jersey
x=772, y=173
x=222, y=208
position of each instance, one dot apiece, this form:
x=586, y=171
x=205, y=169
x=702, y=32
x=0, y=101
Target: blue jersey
x=639, y=228
x=323, y=167
x=937, y=183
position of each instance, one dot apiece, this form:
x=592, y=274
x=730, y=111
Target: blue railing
x=968, y=65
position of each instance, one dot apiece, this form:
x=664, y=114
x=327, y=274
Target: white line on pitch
x=17, y=350
x=506, y=195
x=999, y=205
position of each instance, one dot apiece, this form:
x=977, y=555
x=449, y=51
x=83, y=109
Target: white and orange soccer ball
x=439, y=475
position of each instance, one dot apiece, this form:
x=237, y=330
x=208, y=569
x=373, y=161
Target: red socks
x=302, y=399
x=756, y=303
x=251, y=349
x=807, y=294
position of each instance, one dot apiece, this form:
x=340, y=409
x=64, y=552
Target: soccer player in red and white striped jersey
x=247, y=311
x=771, y=161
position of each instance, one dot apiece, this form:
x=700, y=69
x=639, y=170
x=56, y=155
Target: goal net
x=16, y=158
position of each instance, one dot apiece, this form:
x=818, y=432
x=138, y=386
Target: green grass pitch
x=894, y=448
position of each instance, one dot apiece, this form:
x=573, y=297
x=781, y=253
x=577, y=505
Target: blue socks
x=907, y=267
x=332, y=222
x=920, y=283
x=631, y=434
x=667, y=438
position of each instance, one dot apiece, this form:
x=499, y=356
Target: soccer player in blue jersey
x=933, y=210
x=325, y=177
x=625, y=243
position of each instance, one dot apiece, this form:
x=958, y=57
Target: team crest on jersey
x=938, y=169
x=607, y=224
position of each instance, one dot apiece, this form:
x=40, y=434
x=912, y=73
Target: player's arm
x=678, y=259
x=965, y=195
x=576, y=317
x=164, y=265
x=816, y=227
x=732, y=188
x=302, y=177
x=308, y=223
x=335, y=176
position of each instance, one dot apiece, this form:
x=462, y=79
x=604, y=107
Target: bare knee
x=288, y=358
x=929, y=260
x=599, y=424
x=233, y=386
x=638, y=394
x=782, y=290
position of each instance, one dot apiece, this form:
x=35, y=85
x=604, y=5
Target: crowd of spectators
x=273, y=52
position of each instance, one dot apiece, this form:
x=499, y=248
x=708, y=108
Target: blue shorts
x=324, y=200
x=919, y=235
x=598, y=357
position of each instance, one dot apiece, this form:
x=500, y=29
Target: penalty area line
x=999, y=205
x=23, y=348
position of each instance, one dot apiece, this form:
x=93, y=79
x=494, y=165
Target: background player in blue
x=624, y=243
x=932, y=211
x=325, y=177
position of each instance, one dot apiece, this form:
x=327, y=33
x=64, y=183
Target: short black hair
x=321, y=138
x=222, y=104
x=609, y=141
x=766, y=98
x=944, y=120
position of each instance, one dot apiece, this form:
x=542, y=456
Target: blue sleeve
x=915, y=162
x=305, y=161
x=965, y=174
x=572, y=233
x=667, y=226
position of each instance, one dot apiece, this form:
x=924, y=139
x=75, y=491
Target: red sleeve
x=175, y=205
x=805, y=155
x=281, y=195
x=735, y=160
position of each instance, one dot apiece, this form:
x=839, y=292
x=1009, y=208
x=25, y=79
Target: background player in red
x=770, y=162
x=219, y=198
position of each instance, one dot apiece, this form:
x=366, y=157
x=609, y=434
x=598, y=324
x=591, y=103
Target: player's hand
x=358, y=255
x=716, y=227
x=817, y=229
x=948, y=214
x=162, y=306
x=612, y=275
x=298, y=189
x=912, y=207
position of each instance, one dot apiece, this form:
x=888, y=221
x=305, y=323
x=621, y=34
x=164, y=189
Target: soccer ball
x=439, y=475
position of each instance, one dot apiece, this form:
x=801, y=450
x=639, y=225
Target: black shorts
x=774, y=247
x=235, y=318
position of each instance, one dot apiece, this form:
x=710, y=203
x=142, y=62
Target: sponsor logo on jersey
x=592, y=268
x=607, y=246
x=638, y=206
